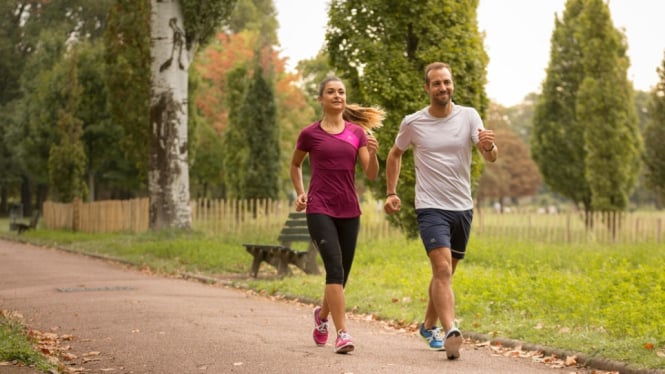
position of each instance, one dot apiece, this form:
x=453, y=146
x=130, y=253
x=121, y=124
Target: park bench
x=282, y=255
x=20, y=227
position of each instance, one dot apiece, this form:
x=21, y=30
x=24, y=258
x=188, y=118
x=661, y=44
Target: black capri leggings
x=336, y=240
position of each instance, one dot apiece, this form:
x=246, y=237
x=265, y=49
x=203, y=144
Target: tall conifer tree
x=235, y=138
x=606, y=110
x=585, y=137
x=67, y=158
x=557, y=141
x=259, y=119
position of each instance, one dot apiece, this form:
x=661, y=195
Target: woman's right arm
x=295, y=170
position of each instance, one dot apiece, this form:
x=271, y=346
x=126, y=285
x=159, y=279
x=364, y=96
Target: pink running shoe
x=343, y=344
x=320, y=332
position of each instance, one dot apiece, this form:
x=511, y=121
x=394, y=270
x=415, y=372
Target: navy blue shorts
x=445, y=228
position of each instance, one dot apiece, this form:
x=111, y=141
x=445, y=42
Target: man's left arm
x=487, y=146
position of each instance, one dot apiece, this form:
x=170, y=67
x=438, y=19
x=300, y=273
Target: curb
x=584, y=360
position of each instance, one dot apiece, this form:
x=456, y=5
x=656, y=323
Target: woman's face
x=333, y=97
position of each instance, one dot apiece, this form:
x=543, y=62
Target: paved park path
x=115, y=319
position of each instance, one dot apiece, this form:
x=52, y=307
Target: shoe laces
x=323, y=327
x=436, y=333
x=343, y=335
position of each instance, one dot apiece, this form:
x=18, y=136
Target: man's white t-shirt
x=442, y=153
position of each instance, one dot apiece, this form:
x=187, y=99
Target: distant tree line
x=81, y=115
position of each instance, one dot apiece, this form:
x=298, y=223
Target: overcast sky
x=517, y=39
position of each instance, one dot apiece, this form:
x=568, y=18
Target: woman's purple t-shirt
x=333, y=162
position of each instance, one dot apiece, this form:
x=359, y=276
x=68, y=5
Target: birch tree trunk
x=168, y=176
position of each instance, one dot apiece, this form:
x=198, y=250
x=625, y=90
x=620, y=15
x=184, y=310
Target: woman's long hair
x=367, y=117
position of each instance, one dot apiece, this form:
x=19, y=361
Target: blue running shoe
x=453, y=342
x=432, y=337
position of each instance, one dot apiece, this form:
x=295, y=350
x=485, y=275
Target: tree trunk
x=3, y=200
x=168, y=175
x=91, y=186
x=26, y=195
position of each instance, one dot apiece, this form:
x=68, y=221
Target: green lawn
x=600, y=300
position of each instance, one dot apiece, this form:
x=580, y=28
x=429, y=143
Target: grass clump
x=16, y=346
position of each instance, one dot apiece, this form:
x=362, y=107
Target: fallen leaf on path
x=68, y=356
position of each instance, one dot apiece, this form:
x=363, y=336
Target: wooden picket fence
x=98, y=216
x=263, y=219
x=573, y=227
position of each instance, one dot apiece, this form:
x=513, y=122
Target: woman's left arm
x=368, y=158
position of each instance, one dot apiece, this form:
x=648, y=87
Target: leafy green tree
x=235, y=139
x=257, y=16
x=258, y=116
x=585, y=137
x=127, y=76
x=206, y=174
x=380, y=48
x=557, y=139
x=206, y=149
x=109, y=172
x=67, y=159
x=24, y=25
x=605, y=107
x=654, y=134
x=32, y=127
x=12, y=56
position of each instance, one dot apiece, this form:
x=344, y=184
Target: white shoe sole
x=452, y=346
x=345, y=349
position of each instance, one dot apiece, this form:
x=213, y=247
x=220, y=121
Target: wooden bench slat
x=299, y=231
x=281, y=255
x=293, y=238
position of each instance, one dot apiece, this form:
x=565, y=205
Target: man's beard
x=443, y=101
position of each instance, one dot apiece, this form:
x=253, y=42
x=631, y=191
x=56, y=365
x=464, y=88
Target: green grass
x=16, y=346
x=601, y=300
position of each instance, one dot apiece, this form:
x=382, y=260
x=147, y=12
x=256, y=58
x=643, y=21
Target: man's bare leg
x=442, y=298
